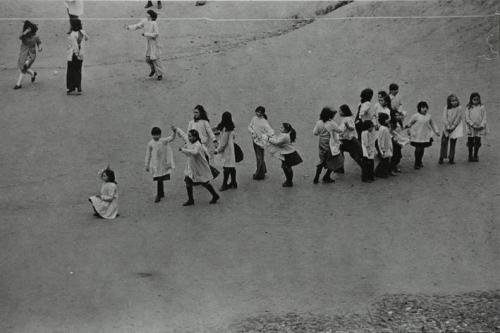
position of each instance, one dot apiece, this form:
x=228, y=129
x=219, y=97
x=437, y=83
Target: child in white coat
x=475, y=117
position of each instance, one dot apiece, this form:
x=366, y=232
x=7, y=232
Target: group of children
x=377, y=130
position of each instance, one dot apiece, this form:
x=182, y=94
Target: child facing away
x=383, y=169
x=348, y=138
x=30, y=42
x=225, y=150
x=365, y=110
x=159, y=160
x=421, y=127
x=368, y=138
x=452, y=128
x=475, y=117
x=105, y=204
x=282, y=147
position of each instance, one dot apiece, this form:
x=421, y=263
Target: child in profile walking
x=105, y=204
x=159, y=160
x=453, y=128
x=421, y=128
x=475, y=117
x=383, y=169
x=30, y=42
x=368, y=138
x=226, y=151
x=282, y=147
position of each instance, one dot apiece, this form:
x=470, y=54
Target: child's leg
x=158, y=66
x=225, y=172
x=477, y=145
x=419, y=153
x=151, y=65
x=365, y=170
x=288, y=175
x=19, y=80
x=232, y=173
x=443, y=153
x=371, y=169
x=451, y=156
x=261, y=165
x=319, y=168
x=327, y=178
x=160, y=191
x=189, y=190
x=396, y=156
x=210, y=189
x=470, y=145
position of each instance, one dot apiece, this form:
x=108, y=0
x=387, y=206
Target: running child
x=453, y=128
x=475, y=117
x=30, y=42
x=105, y=204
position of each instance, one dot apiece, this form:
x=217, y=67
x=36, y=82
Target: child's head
x=108, y=175
x=381, y=96
x=30, y=25
x=393, y=89
x=226, y=122
x=156, y=133
x=287, y=128
x=199, y=113
x=193, y=136
x=475, y=99
x=368, y=125
x=452, y=101
x=422, y=107
x=260, y=112
x=152, y=14
x=326, y=114
x=366, y=95
x=383, y=118
x=345, y=111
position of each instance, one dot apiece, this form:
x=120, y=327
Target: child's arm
x=209, y=131
x=147, y=160
x=135, y=26
x=349, y=124
x=39, y=44
x=181, y=134
x=316, y=129
x=224, y=140
x=434, y=127
x=108, y=193
x=277, y=140
x=189, y=151
x=483, y=118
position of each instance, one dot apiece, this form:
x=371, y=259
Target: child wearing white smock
x=159, y=160
x=105, y=204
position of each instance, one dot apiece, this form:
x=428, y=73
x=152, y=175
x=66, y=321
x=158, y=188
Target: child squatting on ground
x=160, y=159
x=105, y=204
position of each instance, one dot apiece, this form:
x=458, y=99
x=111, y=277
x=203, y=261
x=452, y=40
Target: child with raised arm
x=160, y=160
x=475, y=117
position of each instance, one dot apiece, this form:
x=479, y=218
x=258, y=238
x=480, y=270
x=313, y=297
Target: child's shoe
x=188, y=203
x=17, y=87
x=214, y=199
x=33, y=78
x=157, y=198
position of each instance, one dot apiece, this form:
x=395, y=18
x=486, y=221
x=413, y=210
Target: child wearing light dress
x=105, y=204
x=225, y=150
x=475, y=117
x=383, y=169
x=453, y=128
x=159, y=160
x=368, y=138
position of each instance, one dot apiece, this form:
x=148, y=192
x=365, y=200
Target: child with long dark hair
x=421, y=128
x=453, y=128
x=105, y=204
x=282, y=147
x=197, y=170
x=258, y=128
x=225, y=150
x=365, y=110
x=325, y=128
x=475, y=117
x=348, y=138
x=160, y=160
x=383, y=169
x=368, y=138
x=30, y=42
x=201, y=124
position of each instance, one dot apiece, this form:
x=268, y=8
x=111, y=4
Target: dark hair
x=422, y=104
x=76, y=24
x=383, y=118
x=195, y=134
x=289, y=129
x=395, y=119
x=261, y=109
x=448, y=101
x=367, y=124
x=393, y=86
x=472, y=96
x=345, y=110
x=156, y=131
x=153, y=14
x=33, y=29
x=387, y=100
x=326, y=114
x=226, y=122
x=203, y=113
x=366, y=95
x=110, y=174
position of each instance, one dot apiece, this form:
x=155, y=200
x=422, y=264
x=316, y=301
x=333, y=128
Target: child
x=150, y=4
x=383, y=169
x=452, y=130
x=282, y=146
x=151, y=32
x=76, y=53
x=398, y=139
x=368, y=138
x=226, y=151
x=106, y=204
x=396, y=103
x=475, y=117
x=348, y=138
x=421, y=126
x=383, y=105
x=258, y=128
x=197, y=170
x=201, y=124
x=27, y=55
x=327, y=130
x=159, y=160
x=365, y=110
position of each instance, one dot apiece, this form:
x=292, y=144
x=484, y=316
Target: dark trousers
x=353, y=147
x=159, y=188
x=419, y=154
x=473, y=143
x=396, y=155
x=383, y=168
x=444, y=148
x=261, y=164
x=74, y=74
x=367, y=172
x=287, y=170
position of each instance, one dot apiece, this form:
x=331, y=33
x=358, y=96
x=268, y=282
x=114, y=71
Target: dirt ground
x=324, y=250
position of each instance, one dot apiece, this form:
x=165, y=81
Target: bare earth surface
x=265, y=255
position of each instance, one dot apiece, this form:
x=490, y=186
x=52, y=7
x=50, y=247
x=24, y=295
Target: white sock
x=20, y=79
